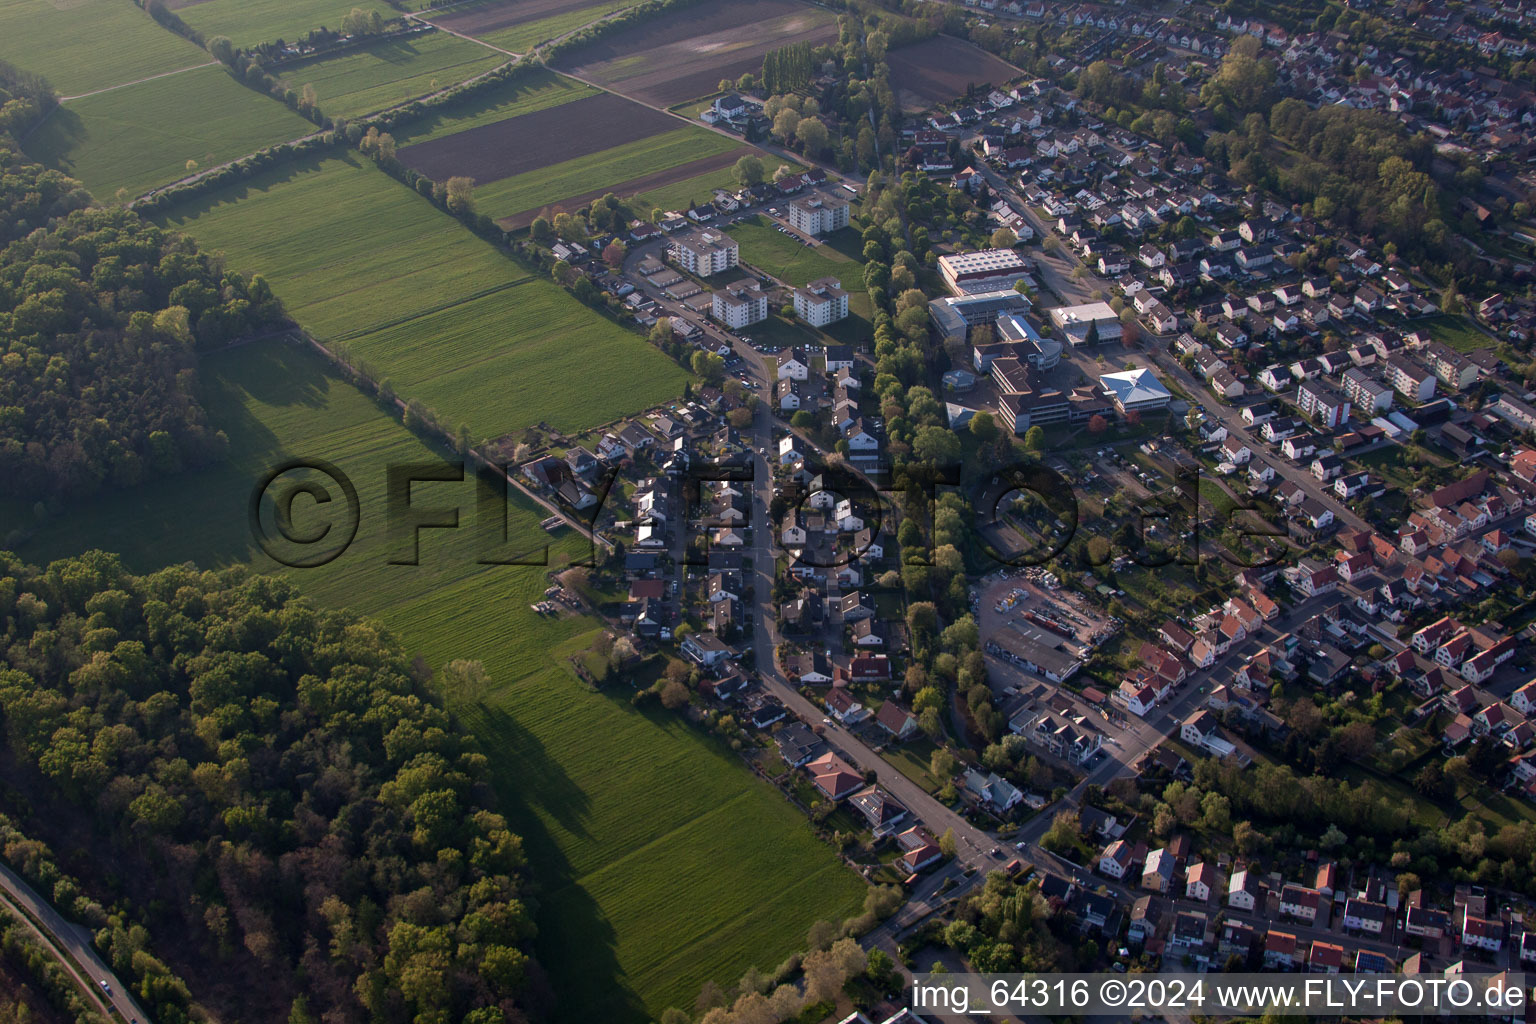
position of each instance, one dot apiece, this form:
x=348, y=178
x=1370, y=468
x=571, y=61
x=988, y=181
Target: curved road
x=76, y=941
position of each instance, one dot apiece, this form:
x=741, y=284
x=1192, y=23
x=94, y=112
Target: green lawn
x=1455, y=331
x=551, y=184
x=91, y=44
x=790, y=260
x=389, y=72
x=249, y=22
x=447, y=318
x=532, y=90
x=133, y=139
x=659, y=861
x=524, y=37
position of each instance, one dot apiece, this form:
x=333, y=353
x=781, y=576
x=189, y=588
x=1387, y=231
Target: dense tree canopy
x=271, y=783
x=100, y=313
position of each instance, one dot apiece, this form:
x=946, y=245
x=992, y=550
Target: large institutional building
x=1079, y=322
x=986, y=270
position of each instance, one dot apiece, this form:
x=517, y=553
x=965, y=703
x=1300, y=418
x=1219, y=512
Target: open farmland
x=63, y=43
x=249, y=22
x=683, y=54
x=519, y=144
x=532, y=89
x=939, y=69
x=451, y=321
x=701, y=185
x=713, y=168
x=123, y=140
x=653, y=158
x=389, y=72
x=520, y=27
x=620, y=853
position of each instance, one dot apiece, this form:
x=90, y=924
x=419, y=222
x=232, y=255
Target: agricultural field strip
x=250, y=22
x=533, y=91
x=529, y=142
x=138, y=81
x=121, y=139
x=367, y=80
x=63, y=43
x=659, y=180
x=554, y=183
x=527, y=36
x=405, y=318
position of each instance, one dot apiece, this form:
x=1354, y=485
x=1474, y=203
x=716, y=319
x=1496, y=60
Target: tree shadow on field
x=394, y=51
x=528, y=776
x=278, y=372
x=576, y=943
x=284, y=170
x=55, y=138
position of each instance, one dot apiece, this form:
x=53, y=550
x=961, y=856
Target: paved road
x=75, y=941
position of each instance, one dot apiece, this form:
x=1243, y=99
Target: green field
x=660, y=862
x=124, y=140
x=389, y=72
x=524, y=37
x=446, y=318
x=532, y=90
x=250, y=22
x=789, y=259
x=64, y=42
x=613, y=166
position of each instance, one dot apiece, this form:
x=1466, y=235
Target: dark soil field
x=526, y=143
x=683, y=55
x=634, y=186
x=478, y=18
x=938, y=70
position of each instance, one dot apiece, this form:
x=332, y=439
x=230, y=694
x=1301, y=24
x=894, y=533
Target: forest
x=272, y=786
x=101, y=316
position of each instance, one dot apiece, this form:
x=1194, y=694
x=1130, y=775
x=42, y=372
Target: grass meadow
x=442, y=314
x=63, y=43
x=789, y=259
x=551, y=184
x=389, y=72
x=250, y=22
x=659, y=862
x=121, y=141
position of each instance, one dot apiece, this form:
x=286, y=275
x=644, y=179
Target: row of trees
x=101, y=314
x=273, y=782
x=787, y=68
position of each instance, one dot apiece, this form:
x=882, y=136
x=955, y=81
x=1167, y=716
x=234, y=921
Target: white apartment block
x=818, y=215
x=704, y=252
x=740, y=304
x=821, y=302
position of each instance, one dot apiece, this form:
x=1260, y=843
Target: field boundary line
x=416, y=17
x=363, y=332
x=138, y=81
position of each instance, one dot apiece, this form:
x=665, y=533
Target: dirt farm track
x=684, y=54
x=531, y=141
